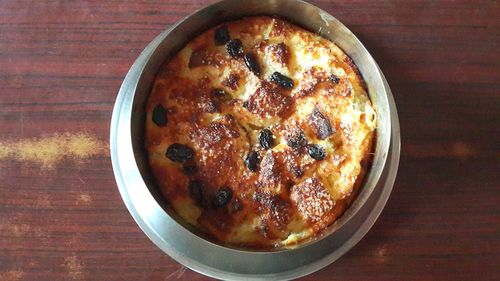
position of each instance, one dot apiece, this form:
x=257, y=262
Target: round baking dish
x=187, y=245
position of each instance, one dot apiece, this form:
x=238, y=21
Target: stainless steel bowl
x=184, y=243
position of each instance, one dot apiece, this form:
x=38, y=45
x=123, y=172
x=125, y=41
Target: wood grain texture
x=62, y=63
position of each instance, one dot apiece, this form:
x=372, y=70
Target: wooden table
x=62, y=63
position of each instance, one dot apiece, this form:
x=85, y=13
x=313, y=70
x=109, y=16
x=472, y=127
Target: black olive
x=179, y=153
x=160, y=116
x=334, y=79
x=222, y=197
x=252, y=161
x=221, y=35
x=234, y=48
x=196, y=191
x=282, y=80
x=316, y=152
x=266, y=139
x=190, y=169
x=252, y=64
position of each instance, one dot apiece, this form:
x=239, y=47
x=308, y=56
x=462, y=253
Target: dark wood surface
x=62, y=63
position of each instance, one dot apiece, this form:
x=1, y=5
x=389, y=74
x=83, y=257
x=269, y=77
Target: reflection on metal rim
x=185, y=244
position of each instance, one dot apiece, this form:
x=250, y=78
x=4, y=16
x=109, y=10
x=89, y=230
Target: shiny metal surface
x=184, y=243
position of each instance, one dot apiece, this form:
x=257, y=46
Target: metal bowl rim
x=115, y=123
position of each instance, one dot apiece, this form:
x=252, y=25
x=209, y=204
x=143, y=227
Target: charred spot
x=268, y=101
x=320, y=124
x=232, y=81
x=295, y=138
x=280, y=53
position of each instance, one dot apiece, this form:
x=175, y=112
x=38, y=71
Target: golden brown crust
x=312, y=199
x=268, y=101
x=321, y=121
x=320, y=124
x=279, y=53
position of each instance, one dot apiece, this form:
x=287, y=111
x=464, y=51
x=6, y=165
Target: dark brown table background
x=62, y=63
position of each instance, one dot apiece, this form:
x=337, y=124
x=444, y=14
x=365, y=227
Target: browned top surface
x=216, y=107
x=62, y=62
